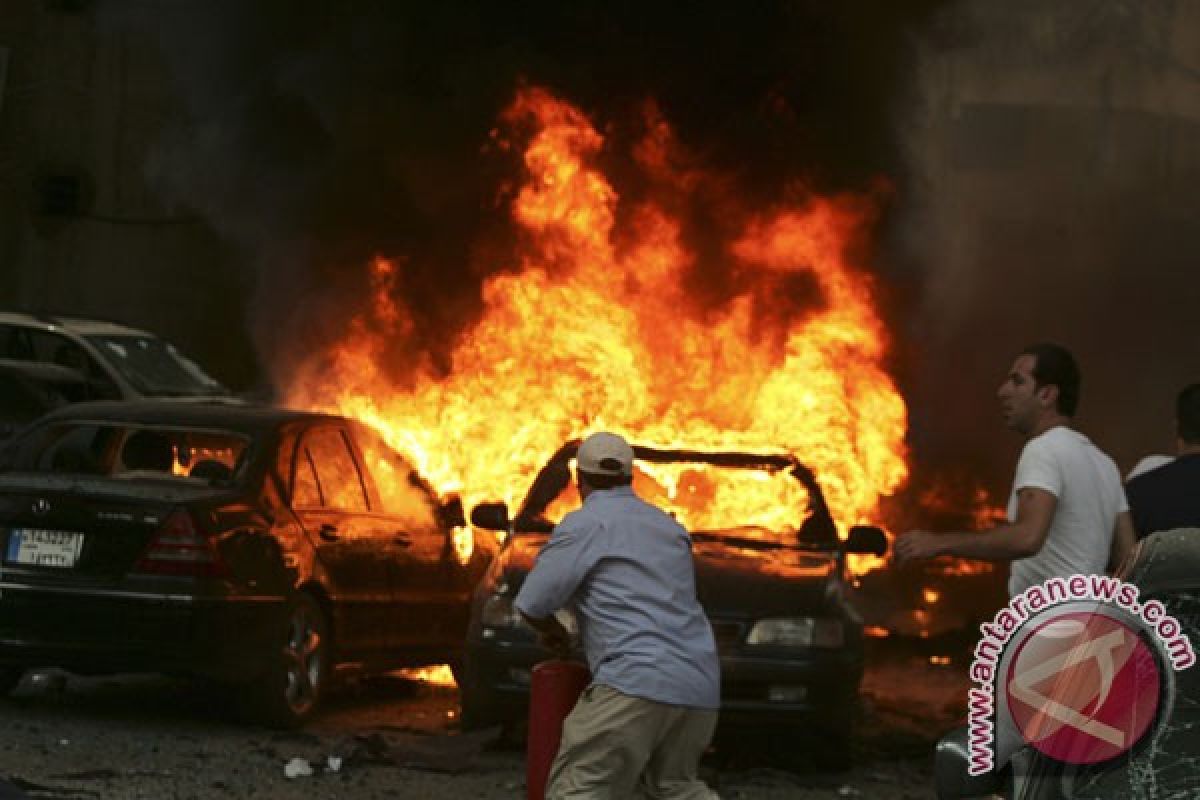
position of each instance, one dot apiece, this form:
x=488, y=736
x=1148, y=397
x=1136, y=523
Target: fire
x=439, y=675
x=596, y=325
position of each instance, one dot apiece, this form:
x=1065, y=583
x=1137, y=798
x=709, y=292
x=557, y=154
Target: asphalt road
x=155, y=738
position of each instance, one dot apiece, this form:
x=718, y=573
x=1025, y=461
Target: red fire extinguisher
x=554, y=687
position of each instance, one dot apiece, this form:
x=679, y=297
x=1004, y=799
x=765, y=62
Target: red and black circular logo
x=1083, y=687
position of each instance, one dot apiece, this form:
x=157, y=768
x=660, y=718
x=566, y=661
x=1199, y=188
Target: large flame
x=594, y=327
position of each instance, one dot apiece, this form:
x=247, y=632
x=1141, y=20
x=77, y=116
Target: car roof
x=79, y=325
x=720, y=458
x=189, y=413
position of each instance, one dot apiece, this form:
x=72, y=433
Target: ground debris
x=447, y=754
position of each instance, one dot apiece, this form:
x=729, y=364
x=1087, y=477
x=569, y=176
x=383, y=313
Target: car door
x=425, y=579
x=330, y=500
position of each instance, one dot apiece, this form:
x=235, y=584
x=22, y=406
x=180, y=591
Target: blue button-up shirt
x=625, y=569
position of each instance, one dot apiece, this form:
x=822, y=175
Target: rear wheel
x=290, y=690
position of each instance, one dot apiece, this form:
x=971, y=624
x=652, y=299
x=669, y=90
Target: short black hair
x=597, y=481
x=1053, y=365
x=1187, y=413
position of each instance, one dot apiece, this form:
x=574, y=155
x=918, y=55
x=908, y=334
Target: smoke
x=1042, y=160
x=1049, y=193
x=317, y=135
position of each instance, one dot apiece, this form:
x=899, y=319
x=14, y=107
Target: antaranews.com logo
x=1076, y=666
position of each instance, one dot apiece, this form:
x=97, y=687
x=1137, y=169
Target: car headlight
x=499, y=612
x=797, y=632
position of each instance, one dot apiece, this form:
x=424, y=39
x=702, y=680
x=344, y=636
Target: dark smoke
x=1042, y=157
x=322, y=134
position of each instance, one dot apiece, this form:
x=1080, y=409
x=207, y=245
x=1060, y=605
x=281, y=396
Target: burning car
x=770, y=573
x=261, y=548
x=113, y=361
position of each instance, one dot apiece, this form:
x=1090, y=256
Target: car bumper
x=755, y=690
x=112, y=630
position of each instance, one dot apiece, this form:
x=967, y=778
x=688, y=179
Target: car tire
x=290, y=689
x=478, y=707
x=10, y=678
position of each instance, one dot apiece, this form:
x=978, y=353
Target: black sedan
x=790, y=644
x=260, y=548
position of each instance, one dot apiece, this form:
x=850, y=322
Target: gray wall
x=81, y=101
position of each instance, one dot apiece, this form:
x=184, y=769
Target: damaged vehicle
x=29, y=389
x=112, y=361
x=770, y=574
x=259, y=548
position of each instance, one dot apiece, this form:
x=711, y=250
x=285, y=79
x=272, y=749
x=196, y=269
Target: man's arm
x=1124, y=545
x=1019, y=539
x=561, y=565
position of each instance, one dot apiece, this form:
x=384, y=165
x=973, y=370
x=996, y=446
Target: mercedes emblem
x=41, y=506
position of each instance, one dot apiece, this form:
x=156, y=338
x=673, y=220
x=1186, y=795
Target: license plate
x=44, y=548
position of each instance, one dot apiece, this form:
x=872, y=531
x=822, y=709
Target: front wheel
x=289, y=691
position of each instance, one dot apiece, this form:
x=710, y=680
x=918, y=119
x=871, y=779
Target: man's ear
x=1048, y=395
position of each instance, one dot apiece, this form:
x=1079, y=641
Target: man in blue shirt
x=625, y=569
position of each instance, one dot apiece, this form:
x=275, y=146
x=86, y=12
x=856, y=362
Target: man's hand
x=554, y=637
x=916, y=545
x=551, y=634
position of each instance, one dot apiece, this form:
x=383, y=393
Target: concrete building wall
x=1054, y=149
x=84, y=104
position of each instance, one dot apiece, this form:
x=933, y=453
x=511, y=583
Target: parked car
x=791, y=646
x=258, y=547
x=29, y=389
x=1162, y=764
x=117, y=362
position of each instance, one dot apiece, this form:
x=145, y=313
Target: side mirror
x=492, y=516
x=867, y=539
x=451, y=513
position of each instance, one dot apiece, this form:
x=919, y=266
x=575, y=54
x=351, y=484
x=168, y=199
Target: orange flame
x=594, y=328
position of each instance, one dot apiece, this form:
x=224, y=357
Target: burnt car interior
x=755, y=500
x=131, y=452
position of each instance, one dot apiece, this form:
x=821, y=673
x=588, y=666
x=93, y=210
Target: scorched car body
x=790, y=644
x=259, y=547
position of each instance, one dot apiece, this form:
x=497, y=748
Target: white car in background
x=115, y=362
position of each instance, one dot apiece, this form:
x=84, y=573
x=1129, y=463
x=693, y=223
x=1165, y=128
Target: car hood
x=732, y=579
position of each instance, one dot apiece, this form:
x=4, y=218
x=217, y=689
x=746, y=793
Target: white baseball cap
x=605, y=454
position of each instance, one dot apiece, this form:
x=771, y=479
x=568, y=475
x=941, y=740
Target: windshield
x=130, y=451
x=154, y=367
x=762, y=504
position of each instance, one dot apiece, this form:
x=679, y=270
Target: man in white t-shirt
x=1067, y=513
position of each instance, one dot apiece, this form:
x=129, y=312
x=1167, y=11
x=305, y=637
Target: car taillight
x=178, y=548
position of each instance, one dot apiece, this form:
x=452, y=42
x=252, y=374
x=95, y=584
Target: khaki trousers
x=616, y=747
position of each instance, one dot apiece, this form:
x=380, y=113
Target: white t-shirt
x=1090, y=495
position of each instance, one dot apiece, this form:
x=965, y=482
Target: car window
x=306, y=492
x=340, y=484
x=401, y=489
x=129, y=451
x=768, y=505
x=30, y=344
x=155, y=367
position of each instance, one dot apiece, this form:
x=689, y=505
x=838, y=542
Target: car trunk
x=81, y=530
